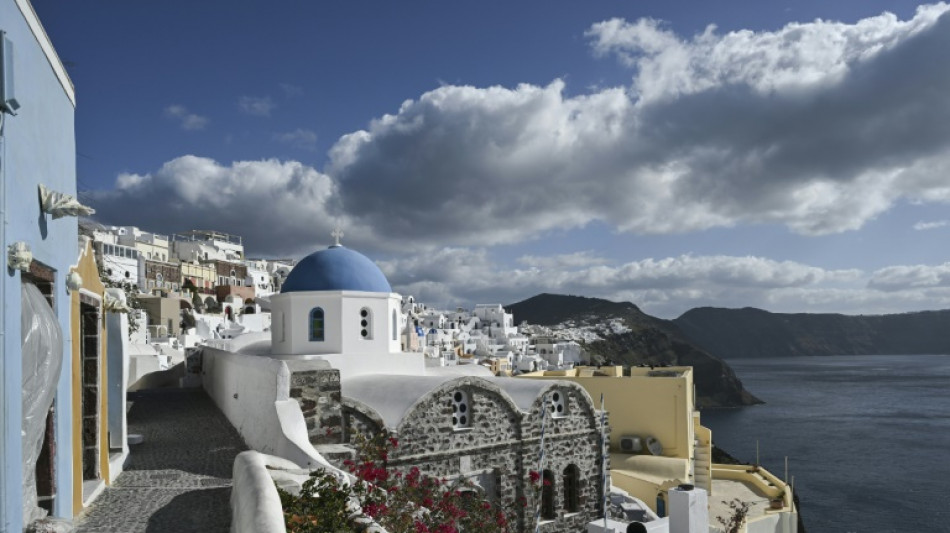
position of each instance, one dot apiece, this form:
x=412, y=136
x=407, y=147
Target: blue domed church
x=337, y=304
x=334, y=371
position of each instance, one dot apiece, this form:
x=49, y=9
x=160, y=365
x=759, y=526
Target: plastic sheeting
x=61, y=204
x=42, y=364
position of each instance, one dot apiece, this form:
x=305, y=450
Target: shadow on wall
x=207, y=510
x=161, y=379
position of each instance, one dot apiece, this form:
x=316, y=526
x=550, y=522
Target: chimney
x=689, y=510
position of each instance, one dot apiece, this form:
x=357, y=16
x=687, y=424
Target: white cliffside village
x=302, y=359
x=306, y=357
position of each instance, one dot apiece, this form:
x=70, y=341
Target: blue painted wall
x=37, y=146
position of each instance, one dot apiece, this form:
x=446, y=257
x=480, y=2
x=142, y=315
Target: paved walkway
x=179, y=478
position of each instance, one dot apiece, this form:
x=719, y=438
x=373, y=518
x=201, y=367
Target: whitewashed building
x=332, y=367
x=206, y=245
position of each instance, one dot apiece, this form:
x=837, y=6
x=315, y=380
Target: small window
x=547, y=495
x=366, y=324
x=556, y=404
x=395, y=326
x=572, y=477
x=461, y=410
x=316, y=325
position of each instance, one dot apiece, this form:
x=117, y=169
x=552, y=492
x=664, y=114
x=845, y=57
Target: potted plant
x=778, y=501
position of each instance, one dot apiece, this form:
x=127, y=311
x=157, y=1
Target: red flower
x=393, y=442
x=375, y=510
x=535, y=476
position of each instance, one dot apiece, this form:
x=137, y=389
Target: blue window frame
x=316, y=324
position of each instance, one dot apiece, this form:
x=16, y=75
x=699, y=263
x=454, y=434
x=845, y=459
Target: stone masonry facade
x=318, y=393
x=500, y=449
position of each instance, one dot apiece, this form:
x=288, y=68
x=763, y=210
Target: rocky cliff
x=619, y=333
x=749, y=332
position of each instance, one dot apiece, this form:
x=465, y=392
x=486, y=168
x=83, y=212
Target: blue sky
x=793, y=157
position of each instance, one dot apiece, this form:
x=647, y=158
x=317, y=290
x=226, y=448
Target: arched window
x=572, y=477
x=547, y=495
x=316, y=325
x=395, y=326
x=366, y=324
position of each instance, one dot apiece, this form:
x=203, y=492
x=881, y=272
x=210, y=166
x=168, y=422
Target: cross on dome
x=337, y=234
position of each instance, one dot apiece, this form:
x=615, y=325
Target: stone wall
x=318, y=393
x=500, y=447
x=571, y=439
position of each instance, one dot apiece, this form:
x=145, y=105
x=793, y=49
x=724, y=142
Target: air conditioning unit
x=630, y=444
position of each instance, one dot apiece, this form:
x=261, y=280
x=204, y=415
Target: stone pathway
x=179, y=478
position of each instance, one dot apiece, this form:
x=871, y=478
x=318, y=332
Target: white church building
x=337, y=305
x=331, y=368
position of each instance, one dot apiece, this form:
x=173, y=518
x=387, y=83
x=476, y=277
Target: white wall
x=253, y=392
x=117, y=363
x=388, y=363
x=341, y=311
x=255, y=504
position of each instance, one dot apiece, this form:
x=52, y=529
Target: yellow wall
x=91, y=283
x=642, y=405
x=639, y=405
x=201, y=273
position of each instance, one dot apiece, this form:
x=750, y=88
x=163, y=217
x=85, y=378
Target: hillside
x=643, y=340
x=749, y=332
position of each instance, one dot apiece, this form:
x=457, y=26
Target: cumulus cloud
x=818, y=126
x=279, y=207
x=257, y=106
x=797, y=57
x=301, y=138
x=576, y=259
x=904, y=277
x=666, y=286
x=187, y=121
x=921, y=226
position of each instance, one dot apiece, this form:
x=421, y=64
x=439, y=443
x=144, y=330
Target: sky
x=791, y=156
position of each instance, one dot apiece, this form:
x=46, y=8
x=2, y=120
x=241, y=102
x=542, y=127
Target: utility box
x=8, y=103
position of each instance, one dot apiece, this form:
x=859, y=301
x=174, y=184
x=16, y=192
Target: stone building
x=488, y=430
x=230, y=273
x=159, y=276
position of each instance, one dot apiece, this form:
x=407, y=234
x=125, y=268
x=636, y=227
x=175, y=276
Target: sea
x=867, y=437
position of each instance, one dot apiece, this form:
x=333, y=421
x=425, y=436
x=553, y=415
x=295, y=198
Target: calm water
x=867, y=437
